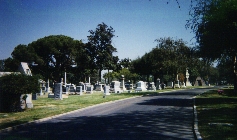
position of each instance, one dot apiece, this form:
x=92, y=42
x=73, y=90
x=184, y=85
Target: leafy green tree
x=167, y=59
x=100, y=49
x=81, y=67
x=55, y=54
x=176, y=56
x=225, y=69
x=22, y=53
x=128, y=75
x=214, y=22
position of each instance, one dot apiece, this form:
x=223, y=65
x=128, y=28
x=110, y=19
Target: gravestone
x=115, y=87
x=199, y=82
x=83, y=86
x=183, y=85
x=79, y=90
x=176, y=85
x=99, y=87
x=129, y=85
x=65, y=89
x=106, y=90
x=122, y=84
x=86, y=85
x=72, y=89
x=42, y=86
x=162, y=85
x=89, y=89
x=170, y=84
x=187, y=80
x=58, y=91
x=158, y=87
x=140, y=86
x=34, y=96
x=152, y=86
x=28, y=101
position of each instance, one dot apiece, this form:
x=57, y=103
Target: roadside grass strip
x=216, y=113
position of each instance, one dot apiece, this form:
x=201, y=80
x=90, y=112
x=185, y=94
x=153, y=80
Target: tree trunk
x=155, y=79
x=100, y=75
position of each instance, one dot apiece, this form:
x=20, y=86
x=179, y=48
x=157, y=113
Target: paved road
x=167, y=116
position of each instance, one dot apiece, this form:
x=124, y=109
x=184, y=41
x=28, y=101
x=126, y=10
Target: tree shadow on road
x=169, y=102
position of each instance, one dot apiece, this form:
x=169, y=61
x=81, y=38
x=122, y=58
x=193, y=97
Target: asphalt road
x=167, y=116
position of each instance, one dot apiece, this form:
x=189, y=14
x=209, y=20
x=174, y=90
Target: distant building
x=24, y=69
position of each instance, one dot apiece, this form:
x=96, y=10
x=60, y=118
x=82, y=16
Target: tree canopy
x=215, y=24
x=100, y=48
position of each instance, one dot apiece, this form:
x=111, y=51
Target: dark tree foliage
x=2, y=63
x=11, y=65
x=55, y=55
x=214, y=22
x=23, y=53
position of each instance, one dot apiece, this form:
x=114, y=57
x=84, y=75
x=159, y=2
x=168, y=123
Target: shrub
x=12, y=87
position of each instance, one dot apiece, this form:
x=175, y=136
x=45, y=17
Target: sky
x=137, y=23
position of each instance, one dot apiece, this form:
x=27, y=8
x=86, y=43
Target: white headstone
x=106, y=90
x=187, y=80
x=140, y=86
x=79, y=90
x=115, y=85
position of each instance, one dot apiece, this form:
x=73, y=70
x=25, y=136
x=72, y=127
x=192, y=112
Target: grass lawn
x=217, y=115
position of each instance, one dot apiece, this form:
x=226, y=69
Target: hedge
x=12, y=87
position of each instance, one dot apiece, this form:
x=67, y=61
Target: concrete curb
x=195, y=122
x=55, y=116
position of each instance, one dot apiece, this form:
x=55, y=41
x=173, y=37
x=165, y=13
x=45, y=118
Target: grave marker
x=58, y=91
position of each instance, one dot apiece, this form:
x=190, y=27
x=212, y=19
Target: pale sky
x=137, y=23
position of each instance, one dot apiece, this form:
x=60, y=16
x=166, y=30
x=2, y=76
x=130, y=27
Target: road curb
x=195, y=121
x=8, y=129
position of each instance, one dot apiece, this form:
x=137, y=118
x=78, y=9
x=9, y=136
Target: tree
x=11, y=65
x=100, y=48
x=166, y=60
x=128, y=75
x=125, y=63
x=176, y=56
x=214, y=22
x=2, y=65
x=225, y=69
x=22, y=53
x=55, y=54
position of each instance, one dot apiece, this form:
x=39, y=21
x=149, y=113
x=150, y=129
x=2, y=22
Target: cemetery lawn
x=217, y=115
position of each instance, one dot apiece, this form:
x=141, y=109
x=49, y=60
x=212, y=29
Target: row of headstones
x=115, y=87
